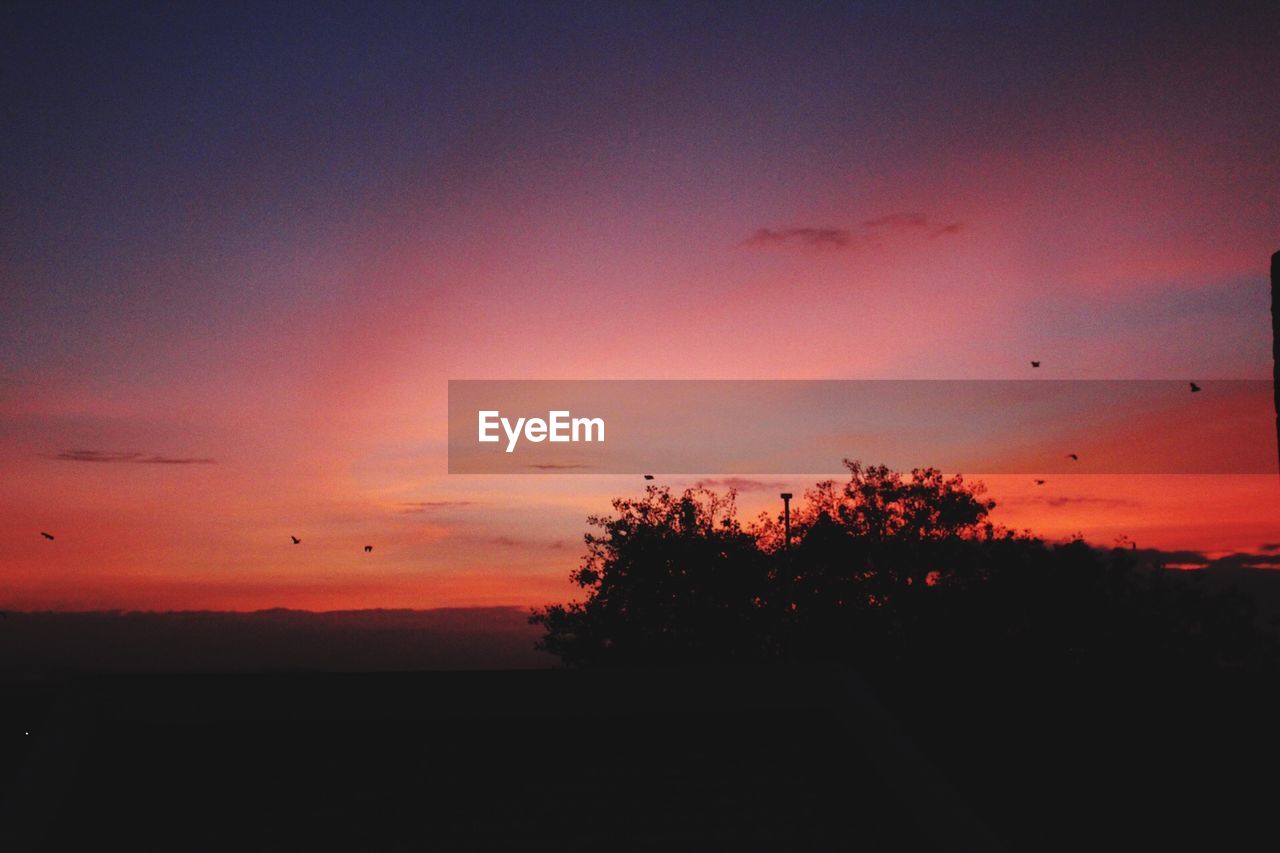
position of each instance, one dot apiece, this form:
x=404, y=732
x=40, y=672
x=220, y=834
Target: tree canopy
x=883, y=569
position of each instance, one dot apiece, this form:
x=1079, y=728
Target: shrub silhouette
x=884, y=570
x=671, y=579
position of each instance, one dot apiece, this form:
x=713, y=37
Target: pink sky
x=291, y=299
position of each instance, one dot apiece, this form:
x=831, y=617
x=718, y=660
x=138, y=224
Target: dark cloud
x=1270, y=546
x=135, y=458
x=92, y=456
x=1246, y=561
x=425, y=506
x=503, y=540
x=845, y=238
x=811, y=238
x=1183, y=559
x=1058, y=501
x=1200, y=560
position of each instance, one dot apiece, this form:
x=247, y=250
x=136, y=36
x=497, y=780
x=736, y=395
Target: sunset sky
x=245, y=247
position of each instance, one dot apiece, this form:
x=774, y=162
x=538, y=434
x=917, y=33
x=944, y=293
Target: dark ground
x=803, y=759
x=270, y=640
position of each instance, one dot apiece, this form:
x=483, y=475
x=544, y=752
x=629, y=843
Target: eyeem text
x=559, y=426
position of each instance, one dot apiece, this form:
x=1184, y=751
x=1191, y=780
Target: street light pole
x=786, y=516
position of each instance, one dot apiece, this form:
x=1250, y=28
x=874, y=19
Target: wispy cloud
x=504, y=541
x=134, y=458
x=551, y=466
x=1059, y=501
x=830, y=237
x=427, y=506
x=739, y=484
x=811, y=238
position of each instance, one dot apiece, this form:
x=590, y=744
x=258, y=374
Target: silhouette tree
x=884, y=570
x=670, y=578
x=863, y=547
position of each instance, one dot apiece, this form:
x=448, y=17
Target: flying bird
x=1035, y=364
x=368, y=548
x=1194, y=387
x=48, y=536
x=1073, y=457
x=296, y=540
x=648, y=476
x=1039, y=482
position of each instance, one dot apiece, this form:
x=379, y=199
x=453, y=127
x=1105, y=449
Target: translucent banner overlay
x=808, y=427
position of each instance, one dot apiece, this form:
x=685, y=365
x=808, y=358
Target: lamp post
x=1275, y=341
x=786, y=518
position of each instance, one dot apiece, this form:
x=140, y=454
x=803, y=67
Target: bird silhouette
x=368, y=548
x=1039, y=482
x=1035, y=364
x=1194, y=387
x=296, y=540
x=1073, y=457
x=48, y=536
x=648, y=476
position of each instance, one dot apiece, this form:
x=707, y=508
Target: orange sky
x=275, y=255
